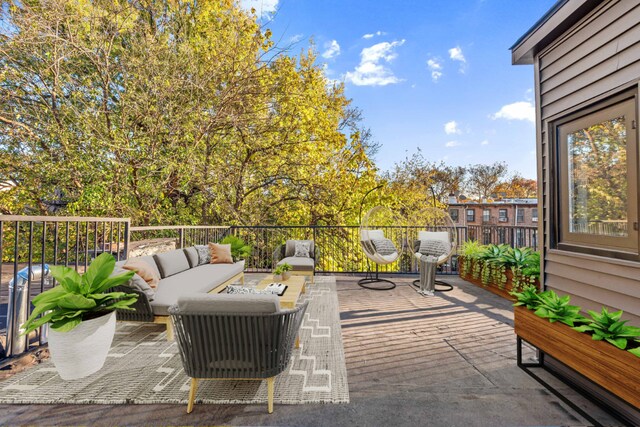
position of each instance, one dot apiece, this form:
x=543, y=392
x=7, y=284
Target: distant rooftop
x=532, y=201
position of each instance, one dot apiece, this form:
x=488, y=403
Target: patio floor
x=448, y=360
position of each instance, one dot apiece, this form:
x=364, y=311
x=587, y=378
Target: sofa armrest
x=278, y=254
x=142, y=311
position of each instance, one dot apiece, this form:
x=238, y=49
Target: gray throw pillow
x=303, y=249
x=384, y=246
x=136, y=282
x=204, y=255
x=435, y=248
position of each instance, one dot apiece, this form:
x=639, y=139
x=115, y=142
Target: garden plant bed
x=618, y=371
x=500, y=289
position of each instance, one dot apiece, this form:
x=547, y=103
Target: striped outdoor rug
x=143, y=368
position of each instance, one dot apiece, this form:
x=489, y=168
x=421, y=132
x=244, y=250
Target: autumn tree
x=482, y=180
x=516, y=187
x=171, y=112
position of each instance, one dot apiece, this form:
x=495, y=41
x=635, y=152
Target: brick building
x=510, y=221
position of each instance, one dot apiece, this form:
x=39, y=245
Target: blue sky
x=430, y=74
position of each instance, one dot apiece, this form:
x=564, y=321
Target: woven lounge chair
x=234, y=337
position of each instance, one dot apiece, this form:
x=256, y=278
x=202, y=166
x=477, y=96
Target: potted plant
x=240, y=251
x=282, y=272
x=81, y=315
x=602, y=348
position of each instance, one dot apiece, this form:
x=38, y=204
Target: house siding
x=598, y=57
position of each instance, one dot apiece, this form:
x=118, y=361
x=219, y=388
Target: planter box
x=615, y=370
x=499, y=290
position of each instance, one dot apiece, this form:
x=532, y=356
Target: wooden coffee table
x=295, y=287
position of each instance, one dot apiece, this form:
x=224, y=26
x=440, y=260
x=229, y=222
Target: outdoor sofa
x=182, y=272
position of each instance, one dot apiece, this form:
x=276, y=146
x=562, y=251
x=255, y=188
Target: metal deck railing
x=28, y=244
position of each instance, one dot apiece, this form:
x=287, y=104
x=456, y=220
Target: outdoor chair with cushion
x=299, y=254
x=234, y=337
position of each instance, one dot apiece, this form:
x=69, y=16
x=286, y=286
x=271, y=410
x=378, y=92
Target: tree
x=171, y=112
x=517, y=187
x=482, y=180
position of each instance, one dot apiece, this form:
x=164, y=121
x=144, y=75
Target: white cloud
x=452, y=144
x=332, y=49
x=436, y=68
x=372, y=35
x=485, y=142
x=451, y=128
x=296, y=38
x=521, y=110
x=262, y=7
x=456, y=54
x=371, y=71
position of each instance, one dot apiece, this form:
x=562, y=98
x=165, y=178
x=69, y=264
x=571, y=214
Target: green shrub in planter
x=79, y=297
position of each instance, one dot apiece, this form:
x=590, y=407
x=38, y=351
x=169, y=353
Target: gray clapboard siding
x=597, y=56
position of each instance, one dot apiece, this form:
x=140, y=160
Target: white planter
x=83, y=350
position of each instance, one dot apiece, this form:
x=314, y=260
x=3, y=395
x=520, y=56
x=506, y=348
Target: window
x=520, y=238
x=502, y=236
x=486, y=215
x=486, y=236
x=534, y=215
x=502, y=215
x=519, y=215
x=597, y=191
x=471, y=215
x=454, y=214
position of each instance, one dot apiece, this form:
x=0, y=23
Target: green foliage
x=532, y=266
x=282, y=268
x=556, y=308
x=239, y=249
x=528, y=297
x=608, y=326
x=471, y=248
x=79, y=297
x=187, y=109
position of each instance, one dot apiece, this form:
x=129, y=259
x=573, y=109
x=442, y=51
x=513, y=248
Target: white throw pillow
x=303, y=249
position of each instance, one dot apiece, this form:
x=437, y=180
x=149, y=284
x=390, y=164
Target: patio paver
x=447, y=360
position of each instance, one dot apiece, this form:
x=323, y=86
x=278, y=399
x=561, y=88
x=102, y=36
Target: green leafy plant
x=282, y=268
x=608, y=326
x=531, y=267
x=239, y=249
x=79, y=297
x=528, y=297
x=471, y=248
x=556, y=308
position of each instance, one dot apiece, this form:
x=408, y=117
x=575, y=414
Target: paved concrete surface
x=447, y=360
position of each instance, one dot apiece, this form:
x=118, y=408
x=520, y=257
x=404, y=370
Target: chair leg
x=169, y=331
x=270, y=384
x=192, y=394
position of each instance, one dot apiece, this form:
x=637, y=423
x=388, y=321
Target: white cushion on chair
x=434, y=235
x=371, y=234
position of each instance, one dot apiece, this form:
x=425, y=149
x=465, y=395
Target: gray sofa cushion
x=200, y=280
x=226, y=303
x=172, y=262
x=192, y=256
x=136, y=282
x=298, y=263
